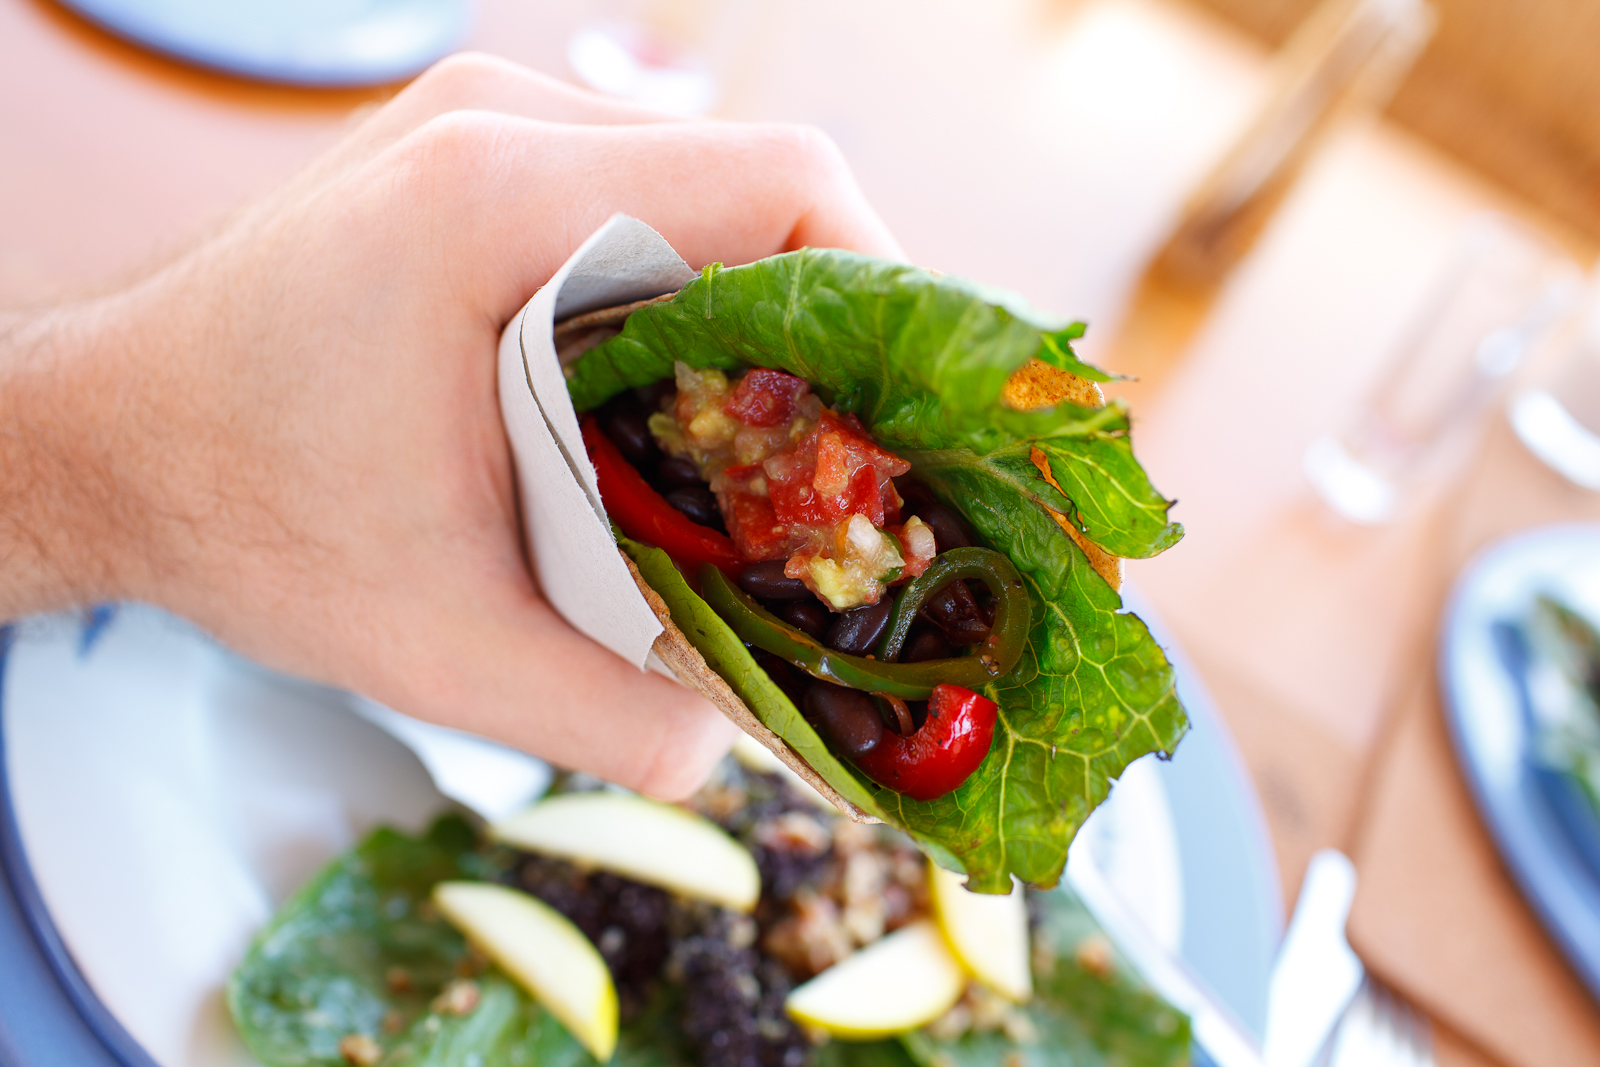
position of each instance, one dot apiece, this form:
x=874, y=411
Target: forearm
x=64, y=521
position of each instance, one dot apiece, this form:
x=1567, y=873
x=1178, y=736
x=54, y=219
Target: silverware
x=1323, y=1009
x=1317, y=975
x=1381, y=1030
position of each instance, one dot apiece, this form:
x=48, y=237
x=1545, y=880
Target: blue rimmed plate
x=1544, y=828
x=159, y=797
x=322, y=43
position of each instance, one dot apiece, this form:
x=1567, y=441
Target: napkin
x=568, y=538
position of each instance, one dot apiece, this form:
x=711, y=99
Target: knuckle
x=459, y=78
x=811, y=150
x=457, y=144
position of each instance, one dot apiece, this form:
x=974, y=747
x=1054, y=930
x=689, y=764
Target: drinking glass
x=1500, y=294
x=1558, y=417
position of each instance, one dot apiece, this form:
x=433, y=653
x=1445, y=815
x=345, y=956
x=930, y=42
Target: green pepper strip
x=984, y=565
x=908, y=681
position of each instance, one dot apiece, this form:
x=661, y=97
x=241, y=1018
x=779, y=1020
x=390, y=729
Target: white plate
x=1544, y=829
x=167, y=796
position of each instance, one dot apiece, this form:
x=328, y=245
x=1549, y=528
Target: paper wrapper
x=583, y=574
x=580, y=569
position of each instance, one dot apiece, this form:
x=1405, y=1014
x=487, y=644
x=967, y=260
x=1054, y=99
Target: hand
x=291, y=435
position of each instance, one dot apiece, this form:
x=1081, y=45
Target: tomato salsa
x=795, y=526
x=797, y=482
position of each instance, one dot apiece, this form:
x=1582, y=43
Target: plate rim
x=125, y=1050
x=16, y=874
x=1535, y=860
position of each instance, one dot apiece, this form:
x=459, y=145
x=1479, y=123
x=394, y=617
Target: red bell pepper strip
x=645, y=515
x=940, y=756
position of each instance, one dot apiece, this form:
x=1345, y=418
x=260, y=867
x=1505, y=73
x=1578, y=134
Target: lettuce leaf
x=922, y=360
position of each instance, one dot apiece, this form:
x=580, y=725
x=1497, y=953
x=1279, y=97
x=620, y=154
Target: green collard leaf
x=727, y=655
x=920, y=358
x=1092, y=693
x=1056, y=350
x=923, y=360
x=1089, y=1008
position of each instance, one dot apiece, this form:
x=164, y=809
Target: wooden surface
x=1045, y=146
x=1508, y=86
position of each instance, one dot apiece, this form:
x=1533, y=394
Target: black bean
x=766, y=581
x=949, y=530
x=847, y=718
x=926, y=643
x=629, y=429
x=856, y=632
x=807, y=616
x=957, y=615
x=678, y=472
x=698, y=502
x=913, y=492
x=651, y=395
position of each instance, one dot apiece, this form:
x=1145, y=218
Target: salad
x=750, y=927
x=1567, y=693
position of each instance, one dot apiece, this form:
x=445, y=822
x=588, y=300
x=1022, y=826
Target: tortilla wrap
x=1035, y=385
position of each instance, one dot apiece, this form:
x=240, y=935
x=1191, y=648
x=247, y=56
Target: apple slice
x=543, y=952
x=899, y=983
x=989, y=934
x=641, y=839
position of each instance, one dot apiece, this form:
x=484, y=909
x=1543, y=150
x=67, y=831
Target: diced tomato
x=834, y=472
x=835, y=464
x=766, y=397
x=756, y=532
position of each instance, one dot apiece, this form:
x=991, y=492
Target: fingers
x=517, y=196
x=521, y=675
x=471, y=80
x=477, y=82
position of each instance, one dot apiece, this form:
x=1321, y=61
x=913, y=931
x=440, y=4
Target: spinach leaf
x=923, y=359
x=505, y=1029
x=888, y=1053
x=331, y=962
x=360, y=951
x=1089, y=1009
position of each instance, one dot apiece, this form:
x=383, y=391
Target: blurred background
x=1345, y=248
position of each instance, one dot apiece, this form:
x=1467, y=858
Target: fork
x=1324, y=1009
x=1381, y=1030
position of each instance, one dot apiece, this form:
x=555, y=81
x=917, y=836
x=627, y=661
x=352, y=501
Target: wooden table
x=1046, y=146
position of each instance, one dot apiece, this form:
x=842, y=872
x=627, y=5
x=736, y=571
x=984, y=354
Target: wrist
x=68, y=522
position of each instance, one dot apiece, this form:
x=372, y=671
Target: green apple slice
x=989, y=934
x=543, y=952
x=640, y=839
x=893, y=985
